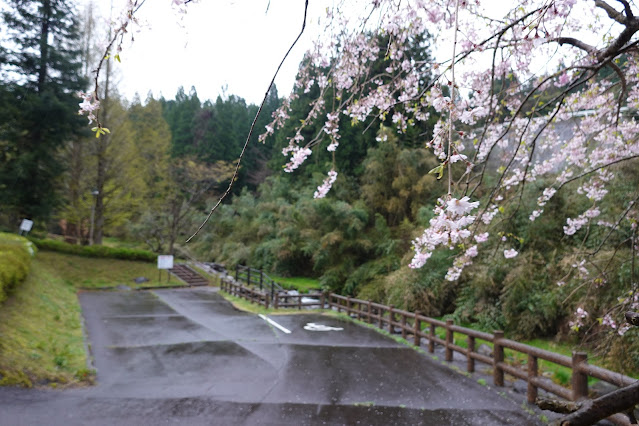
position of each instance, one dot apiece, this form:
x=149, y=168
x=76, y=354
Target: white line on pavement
x=274, y=324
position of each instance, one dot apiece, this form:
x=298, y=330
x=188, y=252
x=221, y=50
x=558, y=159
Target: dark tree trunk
x=101, y=154
x=44, y=44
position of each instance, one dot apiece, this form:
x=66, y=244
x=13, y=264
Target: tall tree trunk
x=103, y=142
x=44, y=44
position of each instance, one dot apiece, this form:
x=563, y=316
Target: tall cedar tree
x=41, y=73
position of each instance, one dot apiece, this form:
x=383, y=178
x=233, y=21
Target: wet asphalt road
x=187, y=357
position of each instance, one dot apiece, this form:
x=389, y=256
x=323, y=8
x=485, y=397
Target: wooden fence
x=285, y=300
x=415, y=326
x=256, y=278
x=278, y=300
x=250, y=294
x=419, y=326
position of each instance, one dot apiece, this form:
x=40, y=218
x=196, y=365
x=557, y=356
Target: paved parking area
x=186, y=356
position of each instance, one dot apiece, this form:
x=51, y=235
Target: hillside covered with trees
x=151, y=179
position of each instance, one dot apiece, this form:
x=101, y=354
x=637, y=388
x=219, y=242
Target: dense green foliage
x=15, y=260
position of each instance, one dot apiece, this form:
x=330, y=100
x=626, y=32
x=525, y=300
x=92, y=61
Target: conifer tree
x=40, y=68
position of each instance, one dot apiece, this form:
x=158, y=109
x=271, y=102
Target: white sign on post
x=26, y=225
x=165, y=262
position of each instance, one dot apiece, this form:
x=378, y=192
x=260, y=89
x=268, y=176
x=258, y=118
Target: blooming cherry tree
x=540, y=94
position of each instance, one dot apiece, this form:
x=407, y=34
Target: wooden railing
x=285, y=300
x=256, y=278
x=419, y=326
x=250, y=294
x=279, y=299
x=415, y=326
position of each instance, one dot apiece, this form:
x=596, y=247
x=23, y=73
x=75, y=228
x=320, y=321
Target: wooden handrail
x=390, y=318
x=411, y=323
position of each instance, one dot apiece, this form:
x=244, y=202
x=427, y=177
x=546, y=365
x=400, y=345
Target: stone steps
x=188, y=275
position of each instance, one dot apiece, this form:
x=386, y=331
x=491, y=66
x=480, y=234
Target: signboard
x=26, y=225
x=165, y=262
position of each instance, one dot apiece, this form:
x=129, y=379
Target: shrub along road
x=186, y=356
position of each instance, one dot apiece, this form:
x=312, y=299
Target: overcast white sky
x=219, y=43
x=231, y=44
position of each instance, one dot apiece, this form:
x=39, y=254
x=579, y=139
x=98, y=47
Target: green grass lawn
x=41, y=338
x=95, y=273
x=303, y=285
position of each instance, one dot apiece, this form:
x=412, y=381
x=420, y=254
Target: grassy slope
x=40, y=332
x=86, y=272
x=41, y=338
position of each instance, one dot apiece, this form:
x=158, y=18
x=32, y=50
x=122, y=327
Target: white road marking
x=311, y=326
x=274, y=324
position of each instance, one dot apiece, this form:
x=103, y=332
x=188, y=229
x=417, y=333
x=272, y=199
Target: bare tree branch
x=248, y=138
x=591, y=411
x=627, y=9
x=612, y=12
x=575, y=42
x=557, y=405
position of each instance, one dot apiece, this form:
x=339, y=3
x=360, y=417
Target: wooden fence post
x=348, y=305
x=498, y=356
x=470, y=362
x=359, y=310
x=380, y=319
x=403, y=325
x=579, y=379
x=390, y=318
x=531, y=394
x=248, y=277
x=417, y=328
x=266, y=301
x=323, y=300
x=370, y=319
x=449, y=340
x=431, y=340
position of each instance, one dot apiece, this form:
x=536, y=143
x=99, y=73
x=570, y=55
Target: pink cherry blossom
x=509, y=254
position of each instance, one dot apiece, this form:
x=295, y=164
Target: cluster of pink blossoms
x=323, y=189
x=89, y=105
x=448, y=228
x=580, y=316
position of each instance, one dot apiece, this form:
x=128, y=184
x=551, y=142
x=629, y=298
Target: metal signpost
x=165, y=262
x=26, y=226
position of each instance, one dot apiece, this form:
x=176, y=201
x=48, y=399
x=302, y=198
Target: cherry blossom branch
x=248, y=138
x=451, y=110
x=624, y=214
x=603, y=166
x=612, y=12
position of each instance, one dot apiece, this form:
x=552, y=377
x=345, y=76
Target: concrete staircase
x=188, y=275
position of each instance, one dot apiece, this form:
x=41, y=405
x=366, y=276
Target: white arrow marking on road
x=274, y=324
x=311, y=326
